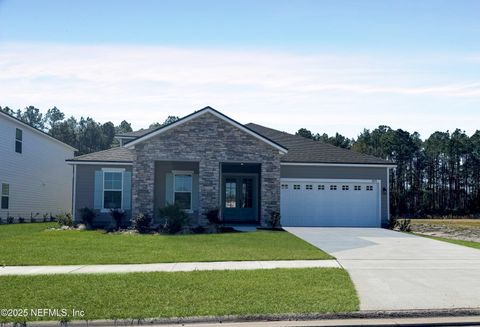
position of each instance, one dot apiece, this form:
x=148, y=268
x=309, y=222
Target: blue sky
x=325, y=65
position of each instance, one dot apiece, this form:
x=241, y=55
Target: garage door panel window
x=296, y=186
x=369, y=188
x=345, y=188
x=284, y=186
x=357, y=188
x=309, y=187
x=333, y=187
x=321, y=187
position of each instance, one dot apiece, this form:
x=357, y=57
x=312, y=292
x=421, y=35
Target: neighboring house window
x=18, y=140
x=182, y=190
x=333, y=187
x=5, y=195
x=112, y=190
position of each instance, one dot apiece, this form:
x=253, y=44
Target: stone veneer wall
x=209, y=141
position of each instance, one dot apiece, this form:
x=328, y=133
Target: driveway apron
x=399, y=271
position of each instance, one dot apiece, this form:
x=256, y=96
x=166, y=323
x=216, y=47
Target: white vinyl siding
x=40, y=181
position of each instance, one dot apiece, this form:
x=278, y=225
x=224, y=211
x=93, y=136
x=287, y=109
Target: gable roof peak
x=198, y=113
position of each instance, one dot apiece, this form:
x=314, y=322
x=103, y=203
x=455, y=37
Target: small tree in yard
x=142, y=222
x=118, y=216
x=87, y=216
x=64, y=219
x=213, y=218
x=174, y=218
x=274, y=220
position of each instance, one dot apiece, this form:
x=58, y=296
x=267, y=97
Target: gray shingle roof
x=118, y=154
x=138, y=133
x=301, y=149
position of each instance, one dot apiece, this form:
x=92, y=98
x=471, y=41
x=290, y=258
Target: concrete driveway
x=398, y=271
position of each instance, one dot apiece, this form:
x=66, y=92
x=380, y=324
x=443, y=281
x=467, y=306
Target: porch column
x=208, y=186
x=270, y=190
x=143, y=180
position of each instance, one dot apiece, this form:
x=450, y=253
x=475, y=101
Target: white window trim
x=189, y=173
x=7, y=196
x=111, y=170
x=17, y=140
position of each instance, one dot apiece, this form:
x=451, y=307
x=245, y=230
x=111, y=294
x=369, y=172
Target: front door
x=240, y=198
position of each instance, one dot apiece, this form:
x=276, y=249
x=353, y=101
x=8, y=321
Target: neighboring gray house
x=34, y=180
x=207, y=160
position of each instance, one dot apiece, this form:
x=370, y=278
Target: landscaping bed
x=457, y=229
x=37, y=244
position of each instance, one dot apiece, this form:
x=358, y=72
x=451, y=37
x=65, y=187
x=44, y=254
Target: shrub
x=65, y=219
x=198, y=230
x=21, y=220
x=174, y=218
x=393, y=222
x=86, y=216
x=213, y=217
x=142, y=222
x=118, y=216
x=10, y=220
x=274, y=220
x=404, y=225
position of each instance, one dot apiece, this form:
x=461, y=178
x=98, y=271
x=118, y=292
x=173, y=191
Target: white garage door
x=341, y=203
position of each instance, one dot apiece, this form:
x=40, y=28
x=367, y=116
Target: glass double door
x=240, y=198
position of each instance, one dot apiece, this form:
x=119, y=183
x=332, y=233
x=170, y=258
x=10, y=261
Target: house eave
x=99, y=162
x=333, y=164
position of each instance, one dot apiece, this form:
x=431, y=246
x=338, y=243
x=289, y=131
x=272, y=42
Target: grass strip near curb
x=182, y=294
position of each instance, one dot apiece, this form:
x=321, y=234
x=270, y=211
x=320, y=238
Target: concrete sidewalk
x=166, y=267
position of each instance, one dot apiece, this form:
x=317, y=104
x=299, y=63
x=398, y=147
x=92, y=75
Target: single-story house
x=35, y=182
x=207, y=161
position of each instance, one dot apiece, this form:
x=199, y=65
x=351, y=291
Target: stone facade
x=209, y=141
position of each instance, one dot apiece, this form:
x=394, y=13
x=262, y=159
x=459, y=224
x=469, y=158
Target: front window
x=183, y=191
x=230, y=193
x=247, y=193
x=112, y=190
x=5, y=195
x=18, y=140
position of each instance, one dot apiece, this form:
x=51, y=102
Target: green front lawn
x=183, y=294
x=33, y=244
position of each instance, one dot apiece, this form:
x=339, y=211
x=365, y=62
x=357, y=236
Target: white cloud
x=322, y=92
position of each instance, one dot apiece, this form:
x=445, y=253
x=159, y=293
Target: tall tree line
x=85, y=134
x=436, y=176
